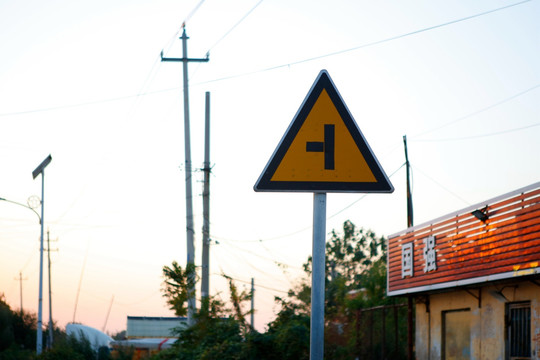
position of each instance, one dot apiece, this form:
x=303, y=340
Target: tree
x=355, y=264
x=218, y=332
x=178, y=285
x=17, y=333
x=355, y=279
x=351, y=259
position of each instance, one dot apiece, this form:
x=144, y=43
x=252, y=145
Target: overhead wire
x=272, y=67
x=378, y=42
x=441, y=186
x=87, y=103
x=262, y=257
x=480, y=135
x=225, y=35
x=489, y=107
x=235, y=25
x=363, y=196
x=242, y=260
x=192, y=13
x=307, y=227
x=224, y=263
x=256, y=285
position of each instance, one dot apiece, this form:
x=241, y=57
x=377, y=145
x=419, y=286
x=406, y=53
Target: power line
x=378, y=42
x=442, y=186
x=363, y=196
x=307, y=227
x=151, y=75
x=191, y=14
x=242, y=260
x=512, y=97
x=272, y=67
x=262, y=257
x=87, y=103
x=256, y=285
x=481, y=135
x=235, y=25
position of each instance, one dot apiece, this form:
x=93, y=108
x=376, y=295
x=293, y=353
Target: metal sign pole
x=293, y=167
x=316, y=346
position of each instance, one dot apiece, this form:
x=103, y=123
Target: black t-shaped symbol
x=327, y=146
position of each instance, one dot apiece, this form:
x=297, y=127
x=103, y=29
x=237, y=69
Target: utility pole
x=20, y=278
x=205, y=281
x=50, y=291
x=409, y=194
x=187, y=145
x=252, y=303
x=410, y=223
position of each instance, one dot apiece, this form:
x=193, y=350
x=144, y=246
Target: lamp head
x=481, y=214
x=41, y=166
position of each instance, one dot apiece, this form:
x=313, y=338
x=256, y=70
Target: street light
x=41, y=170
x=34, y=202
x=31, y=204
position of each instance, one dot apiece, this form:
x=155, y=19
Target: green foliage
x=289, y=332
x=355, y=262
x=6, y=326
x=120, y=335
x=237, y=298
x=18, y=340
x=219, y=332
x=16, y=353
x=69, y=347
x=355, y=280
x=17, y=332
x=178, y=286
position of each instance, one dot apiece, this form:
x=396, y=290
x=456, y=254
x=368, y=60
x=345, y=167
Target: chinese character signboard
x=497, y=239
x=407, y=260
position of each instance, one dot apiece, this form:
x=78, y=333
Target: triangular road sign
x=323, y=149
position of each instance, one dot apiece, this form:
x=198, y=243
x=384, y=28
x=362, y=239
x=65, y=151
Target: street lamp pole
x=39, y=337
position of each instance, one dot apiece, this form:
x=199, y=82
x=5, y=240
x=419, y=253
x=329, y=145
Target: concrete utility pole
x=187, y=145
x=410, y=223
x=20, y=279
x=252, y=303
x=205, y=278
x=409, y=194
x=50, y=291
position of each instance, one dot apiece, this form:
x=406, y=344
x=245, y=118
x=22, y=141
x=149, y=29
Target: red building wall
x=459, y=249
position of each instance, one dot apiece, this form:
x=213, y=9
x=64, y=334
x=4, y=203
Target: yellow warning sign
x=323, y=150
x=338, y=159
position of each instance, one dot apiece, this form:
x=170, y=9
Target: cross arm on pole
x=206, y=59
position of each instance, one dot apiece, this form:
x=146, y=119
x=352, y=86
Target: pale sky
x=83, y=81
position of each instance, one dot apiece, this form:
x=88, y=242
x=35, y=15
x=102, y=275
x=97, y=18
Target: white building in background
x=96, y=338
x=153, y=327
x=148, y=335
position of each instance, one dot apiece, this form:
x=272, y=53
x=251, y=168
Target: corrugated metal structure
x=474, y=276
x=460, y=249
x=153, y=327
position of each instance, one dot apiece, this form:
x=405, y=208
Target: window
x=456, y=333
x=518, y=331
